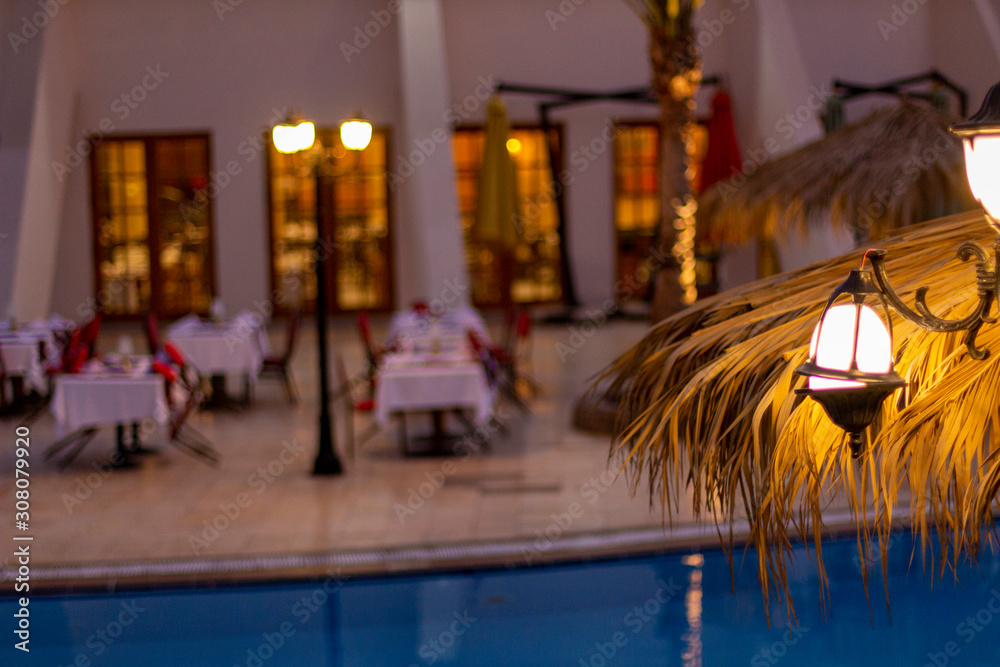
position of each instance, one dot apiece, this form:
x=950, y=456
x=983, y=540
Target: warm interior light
x=289, y=138
x=832, y=343
x=982, y=166
x=513, y=146
x=356, y=134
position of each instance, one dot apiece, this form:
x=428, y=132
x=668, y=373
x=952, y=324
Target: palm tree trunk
x=676, y=74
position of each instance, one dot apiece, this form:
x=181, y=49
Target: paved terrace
x=541, y=491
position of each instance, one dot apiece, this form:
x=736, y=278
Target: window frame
x=153, y=219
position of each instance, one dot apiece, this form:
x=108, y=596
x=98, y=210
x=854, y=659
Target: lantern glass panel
x=982, y=167
x=832, y=345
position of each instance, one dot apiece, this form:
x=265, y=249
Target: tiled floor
x=542, y=489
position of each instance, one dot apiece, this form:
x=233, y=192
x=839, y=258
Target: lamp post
x=852, y=394
x=293, y=137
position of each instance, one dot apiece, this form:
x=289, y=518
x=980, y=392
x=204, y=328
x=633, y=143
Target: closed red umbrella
x=722, y=157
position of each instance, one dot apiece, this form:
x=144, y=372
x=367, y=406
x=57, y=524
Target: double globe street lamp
x=296, y=136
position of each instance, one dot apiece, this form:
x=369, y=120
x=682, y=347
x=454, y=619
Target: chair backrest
x=152, y=332
x=74, y=353
x=3, y=382
x=482, y=353
x=165, y=370
x=90, y=332
x=509, y=319
x=365, y=327
x=523, y=328
x=175, y=355
x=477, y=345
x=294, y=319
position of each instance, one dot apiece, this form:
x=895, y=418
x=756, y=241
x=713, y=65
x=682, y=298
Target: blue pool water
x=676, y=609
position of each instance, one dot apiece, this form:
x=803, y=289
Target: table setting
x=216, y=348
x=433, y=370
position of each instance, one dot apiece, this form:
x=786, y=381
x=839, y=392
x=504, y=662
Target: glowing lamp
x=981, y=136
x=850, y=370
x=292, y=137
x=355, y=134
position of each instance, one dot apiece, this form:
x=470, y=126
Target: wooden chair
x=152, y=327
x=496, y=373
x=354, y=406
x=519, y=355
x=178, y=373
x=91, y=330
x=373, y=353
x=71, y=359
x=279, y=366
x=4, y=407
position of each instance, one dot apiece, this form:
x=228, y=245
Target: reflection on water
x=670, y=609
x=691, y=654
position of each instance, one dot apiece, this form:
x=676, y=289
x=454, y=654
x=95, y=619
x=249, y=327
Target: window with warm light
x=152, y=223
x=536, y=271
x=360, y=256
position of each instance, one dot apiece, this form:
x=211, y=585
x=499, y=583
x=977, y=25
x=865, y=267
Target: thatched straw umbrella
x=898, y=166
x=708, y=409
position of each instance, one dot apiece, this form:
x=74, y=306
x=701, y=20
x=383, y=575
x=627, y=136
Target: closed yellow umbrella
x=497, y=210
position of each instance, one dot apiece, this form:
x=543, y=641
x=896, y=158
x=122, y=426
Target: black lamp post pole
x=327, y=462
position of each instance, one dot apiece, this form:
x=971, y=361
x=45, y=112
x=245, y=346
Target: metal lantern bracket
x=987, y=286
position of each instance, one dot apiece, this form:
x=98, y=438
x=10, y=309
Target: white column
x=19, y=69
x=430, y=248
x=783, y=82
x=50, y=128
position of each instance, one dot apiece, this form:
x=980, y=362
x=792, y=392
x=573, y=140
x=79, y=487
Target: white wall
x=224, y=75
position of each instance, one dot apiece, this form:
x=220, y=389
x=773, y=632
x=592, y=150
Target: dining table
x=124, y=392
x=25, y=349
x=433, y=370
x=219, y=348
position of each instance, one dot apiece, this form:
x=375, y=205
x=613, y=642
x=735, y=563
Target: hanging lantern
x=850, y=370
x=981, y=137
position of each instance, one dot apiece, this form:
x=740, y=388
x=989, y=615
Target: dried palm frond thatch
x=898, y=166
x=708, y=408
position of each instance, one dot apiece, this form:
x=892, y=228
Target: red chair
x=373, y=353
x=353, y=407
x=90, y=332
x=3, y=386
x=152, y=332
x=519, y=354
x=279, y=366
x=496, y=374
x=177, y=373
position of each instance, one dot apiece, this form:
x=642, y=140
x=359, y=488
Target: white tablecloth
x=232, y=347
x=409, y=324
x=33, y=335
x=22, y=358
x=102, y=398
x=411, y=384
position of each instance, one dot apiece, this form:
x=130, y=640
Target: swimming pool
x=674, y=609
